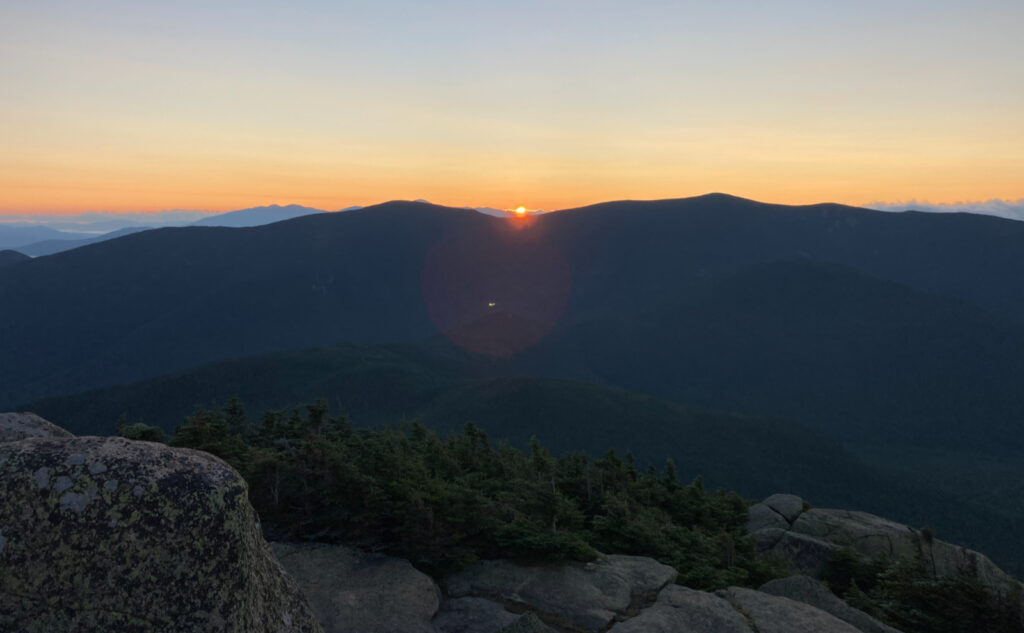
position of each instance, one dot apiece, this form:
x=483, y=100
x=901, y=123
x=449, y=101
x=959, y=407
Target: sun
x=520, y=210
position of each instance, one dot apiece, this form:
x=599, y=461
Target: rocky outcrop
x=528, y=623
x=581, y=596
x=810, y=591
x=811, y=537
x=673, y=609
x=109, y=534
x=472, y=615
x=20, y=426
x=682, y=609
x=772, y=614
x=353, y=592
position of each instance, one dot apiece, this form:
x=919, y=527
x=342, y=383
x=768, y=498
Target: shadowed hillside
x=379, y=385
x=165, y=300
x=8, y=257
x=864, y=359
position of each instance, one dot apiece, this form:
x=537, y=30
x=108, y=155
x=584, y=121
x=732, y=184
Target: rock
x=19, y=426
x=472, y=615
x=808, y=554
x=878, y=538
x=682, y=609
x=353, y=592
x=789, y=507
x=586, y=596
x=528, y=623
x=868, y=534
x=773, y=614
x=810, y=591
x=109, y=534
x=817, y=534
x=763, y=517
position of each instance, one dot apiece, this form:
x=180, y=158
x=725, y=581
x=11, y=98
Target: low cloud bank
x=1010, y=209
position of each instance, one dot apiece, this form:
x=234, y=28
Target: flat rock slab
x=528, y=623
x=110, y=534
x=810, y=591
x=353, y=592
x=472, y=615
x=585, y=596
x=773, y=614
x=20, y=426
x=682, y=610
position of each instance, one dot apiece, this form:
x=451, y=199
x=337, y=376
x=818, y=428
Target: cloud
x=1010, y=209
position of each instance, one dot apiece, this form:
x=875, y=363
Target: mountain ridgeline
x=9, y=257
x=169, y=299
x=847, y=339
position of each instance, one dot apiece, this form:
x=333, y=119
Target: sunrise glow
x=138, y=107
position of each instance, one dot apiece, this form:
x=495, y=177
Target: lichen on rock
x=113, y=534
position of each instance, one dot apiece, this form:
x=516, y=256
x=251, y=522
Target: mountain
x=257, y=216
x=381, y=385
x=817, y=342
x=49, y=247
x=9, y=257
x=17, y=236
x=165, y=300
x=171, y=298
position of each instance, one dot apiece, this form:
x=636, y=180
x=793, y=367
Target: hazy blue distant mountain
x=17, y=235
x=49, y=247
x=8, y=257
x=257, y=216
x=99, y=222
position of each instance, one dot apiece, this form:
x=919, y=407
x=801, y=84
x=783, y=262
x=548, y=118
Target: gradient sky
x=141, y=106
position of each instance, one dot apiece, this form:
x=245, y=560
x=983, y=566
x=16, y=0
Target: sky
x=146, y=106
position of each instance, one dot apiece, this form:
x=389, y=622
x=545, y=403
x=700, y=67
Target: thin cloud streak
x=1009, y=209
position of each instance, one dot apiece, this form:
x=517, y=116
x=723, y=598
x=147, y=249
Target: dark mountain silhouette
x=867, y=328
x=8, y=257
x=49, y=247
x=633, y=251
x=867, y=360
x=169, y=299
x=257, y=216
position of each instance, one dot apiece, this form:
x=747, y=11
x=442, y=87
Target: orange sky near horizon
x=132, y=107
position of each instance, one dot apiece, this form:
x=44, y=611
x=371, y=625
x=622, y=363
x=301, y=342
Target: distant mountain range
x=49, y=247
x=257, y=216
x=854, y=335
x=15, y=237
x=61, y=234
x=400, y=271
x=41, y=240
